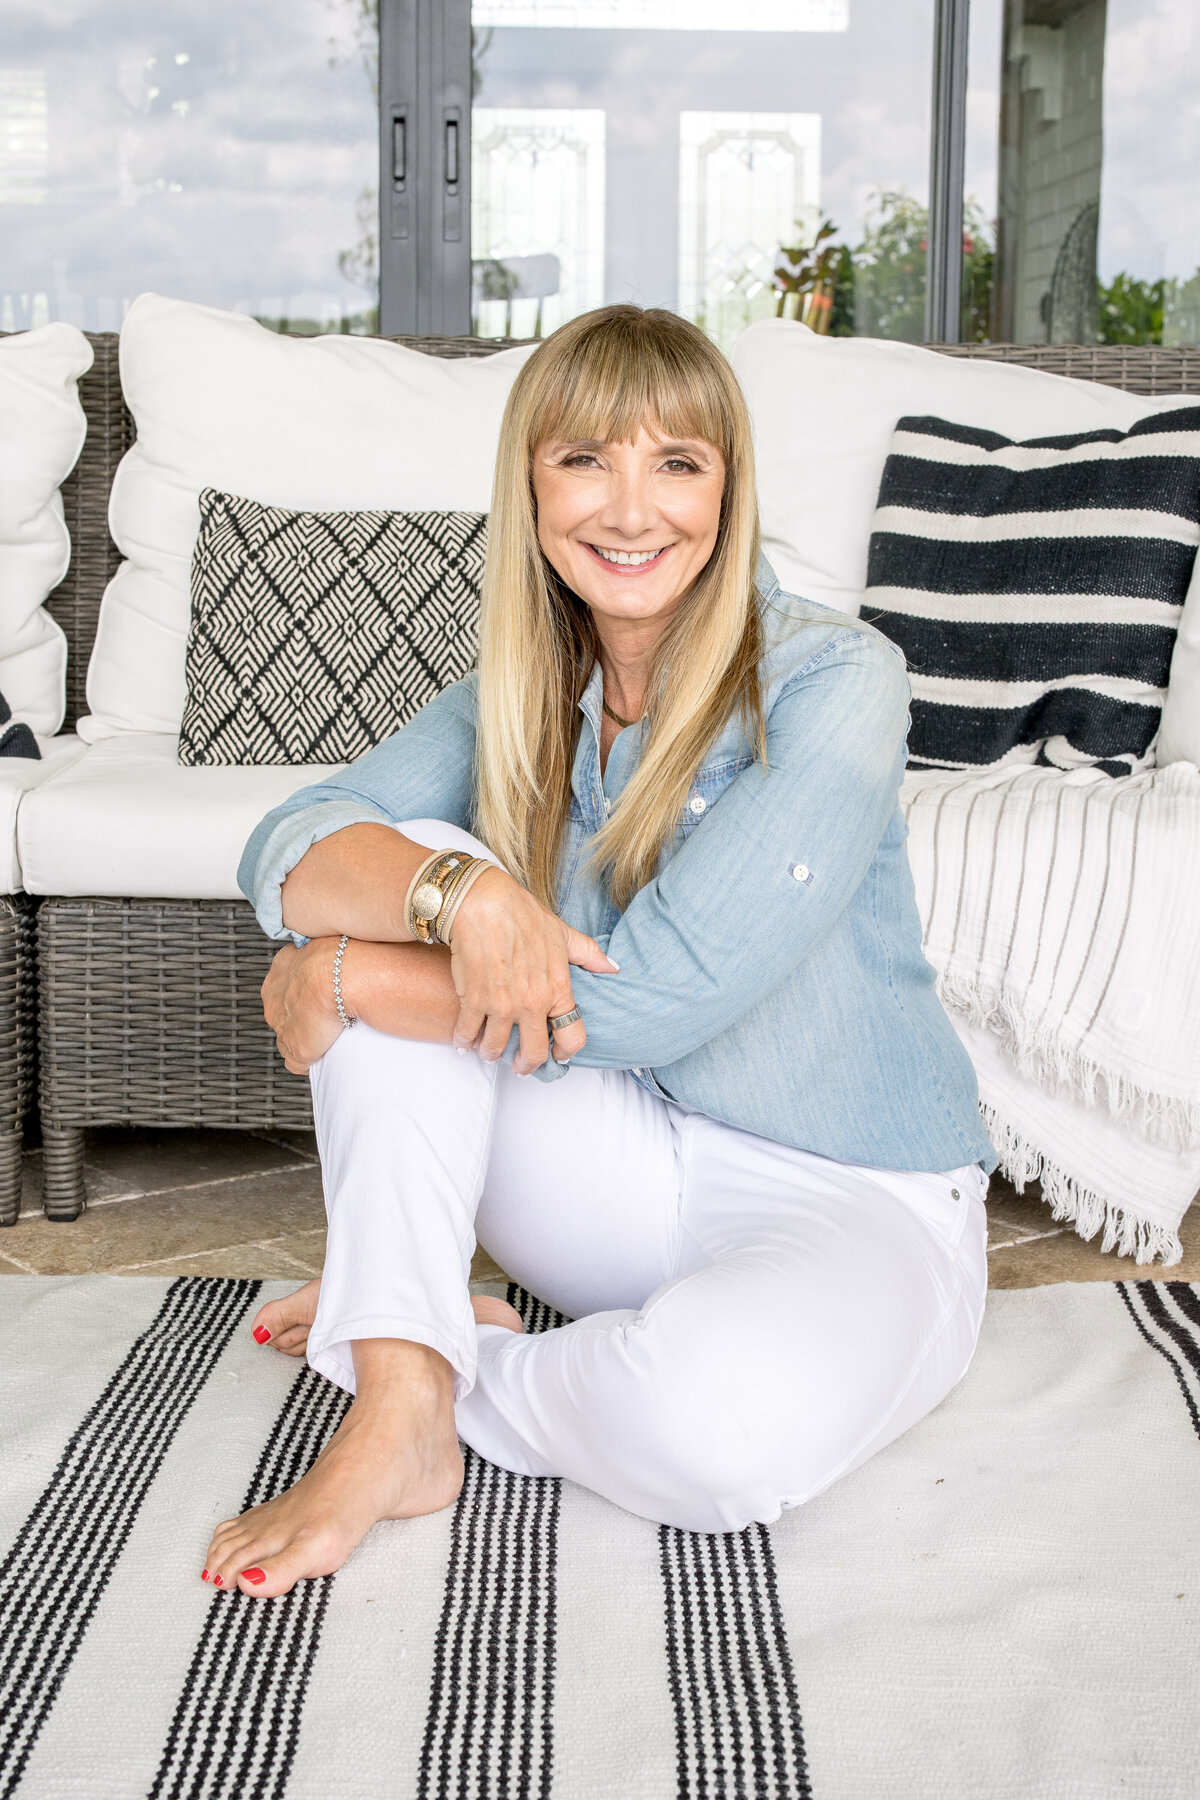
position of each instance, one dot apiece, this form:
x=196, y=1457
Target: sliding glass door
x=730, y=162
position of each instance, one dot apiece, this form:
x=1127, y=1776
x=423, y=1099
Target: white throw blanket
x=1062, y=912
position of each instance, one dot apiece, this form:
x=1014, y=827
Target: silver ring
x=564, y=1019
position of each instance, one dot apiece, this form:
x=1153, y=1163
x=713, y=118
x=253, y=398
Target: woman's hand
x=510, y=958
x=298, y=1002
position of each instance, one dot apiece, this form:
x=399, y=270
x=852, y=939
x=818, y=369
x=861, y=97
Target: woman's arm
x=405, y=990
x=354, y=880
x=508, y=966
x=329, y=860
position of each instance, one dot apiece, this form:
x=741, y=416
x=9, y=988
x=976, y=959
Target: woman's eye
x=680, y=465
x=578, y=460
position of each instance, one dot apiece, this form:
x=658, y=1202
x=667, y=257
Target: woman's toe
x=277, y=1316
x=270, y=1575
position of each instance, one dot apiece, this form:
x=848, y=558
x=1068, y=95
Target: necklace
x=616, y=717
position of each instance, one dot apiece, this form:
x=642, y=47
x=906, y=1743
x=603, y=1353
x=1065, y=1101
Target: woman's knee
x=701, y=1444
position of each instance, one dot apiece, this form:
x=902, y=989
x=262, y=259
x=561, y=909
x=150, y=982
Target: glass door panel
x=221, y=152
x=647, y=150
x=1091, y=111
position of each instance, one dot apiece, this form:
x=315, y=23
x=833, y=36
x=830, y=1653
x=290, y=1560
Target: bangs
x=653, y=370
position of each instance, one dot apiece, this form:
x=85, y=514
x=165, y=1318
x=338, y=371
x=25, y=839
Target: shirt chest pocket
x=707, y=788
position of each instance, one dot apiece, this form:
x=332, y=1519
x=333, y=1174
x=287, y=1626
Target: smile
x=629, y=559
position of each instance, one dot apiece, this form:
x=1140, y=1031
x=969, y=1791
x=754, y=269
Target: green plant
x=806, y=278
x=889, y=268
x=1130, y=311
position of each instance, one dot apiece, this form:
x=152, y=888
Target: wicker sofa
x=148, y=1009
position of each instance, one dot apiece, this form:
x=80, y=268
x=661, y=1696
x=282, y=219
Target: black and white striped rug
x=1003, y=1604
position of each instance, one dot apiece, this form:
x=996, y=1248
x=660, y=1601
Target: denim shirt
x=771, y=975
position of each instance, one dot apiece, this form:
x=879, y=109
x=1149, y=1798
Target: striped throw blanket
x=1062, y=912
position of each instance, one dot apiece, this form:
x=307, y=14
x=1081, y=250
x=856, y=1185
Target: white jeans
x=752, y=1322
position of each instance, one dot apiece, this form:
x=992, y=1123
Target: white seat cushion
x=18, y=775
x=126, y=819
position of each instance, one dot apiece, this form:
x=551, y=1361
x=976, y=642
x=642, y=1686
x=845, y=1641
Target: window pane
x=1097, y=211
x=219, y=152
x=645, y=150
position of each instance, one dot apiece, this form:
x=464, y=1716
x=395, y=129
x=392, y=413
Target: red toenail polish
x=261, y=1334
x=255, y=1575
x=218, y=1581
x=204, y=1575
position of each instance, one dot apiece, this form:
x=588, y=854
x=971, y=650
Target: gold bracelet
x=427, y=892
x=421, y=871
x=456, y=892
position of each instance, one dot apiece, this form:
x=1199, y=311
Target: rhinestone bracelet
x=342, y=1014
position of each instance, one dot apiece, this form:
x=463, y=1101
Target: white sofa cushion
x=824, y=410
x=319, y=424
x=42, y=428
x=127, y=819
x=18, y=776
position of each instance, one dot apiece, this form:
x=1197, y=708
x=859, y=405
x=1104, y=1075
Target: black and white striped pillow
x=1035, y=588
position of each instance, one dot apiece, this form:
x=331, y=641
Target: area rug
x=1001, y=1606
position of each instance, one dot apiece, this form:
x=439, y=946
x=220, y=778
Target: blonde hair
x=603, y=376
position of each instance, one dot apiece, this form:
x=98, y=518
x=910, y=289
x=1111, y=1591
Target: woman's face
x=629, y=526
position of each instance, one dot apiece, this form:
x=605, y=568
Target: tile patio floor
x=249, y=1204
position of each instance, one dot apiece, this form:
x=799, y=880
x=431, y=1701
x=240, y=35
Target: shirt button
x=635, y=1071
x=954, y=1194
x=607, y=804
x=697, y=803
x=800, y=872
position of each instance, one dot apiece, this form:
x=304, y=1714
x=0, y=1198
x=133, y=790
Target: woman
x=751, y=1168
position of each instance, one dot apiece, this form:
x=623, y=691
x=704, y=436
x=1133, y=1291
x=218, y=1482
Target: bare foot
x=490, y=1311
x=395, y=1455
x=286, y=1323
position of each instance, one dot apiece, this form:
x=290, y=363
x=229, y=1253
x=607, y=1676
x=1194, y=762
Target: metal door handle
x=451, y=153
x=399, y=149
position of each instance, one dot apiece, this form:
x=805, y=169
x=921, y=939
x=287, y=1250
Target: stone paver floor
x=249, y=1204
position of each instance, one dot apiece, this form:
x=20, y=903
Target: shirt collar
x=592, y=698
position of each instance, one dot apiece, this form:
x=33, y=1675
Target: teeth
x=631, y=557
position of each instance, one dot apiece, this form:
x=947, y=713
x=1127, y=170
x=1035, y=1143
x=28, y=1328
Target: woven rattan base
x=17, y=1014
x=150, y=1015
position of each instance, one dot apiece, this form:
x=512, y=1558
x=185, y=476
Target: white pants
x=752, y=1322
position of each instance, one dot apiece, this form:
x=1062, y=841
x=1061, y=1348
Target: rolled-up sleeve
x=766, y=874
x=424, y=771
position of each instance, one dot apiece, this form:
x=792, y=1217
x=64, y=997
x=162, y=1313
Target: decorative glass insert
x=24, y=139
x=217, y=151
x=537, y=217
x=746, y=182
x=669, y=15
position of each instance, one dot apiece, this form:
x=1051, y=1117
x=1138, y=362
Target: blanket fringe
x=1038, y=1052
x=1088, y=1211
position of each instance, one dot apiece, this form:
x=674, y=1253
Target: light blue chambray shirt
x=771, y=975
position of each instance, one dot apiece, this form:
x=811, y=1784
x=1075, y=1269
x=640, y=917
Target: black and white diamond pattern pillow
x=314, y=636
x=1036, y=588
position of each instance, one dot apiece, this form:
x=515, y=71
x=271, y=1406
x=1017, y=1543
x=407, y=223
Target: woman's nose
x=629, y=506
